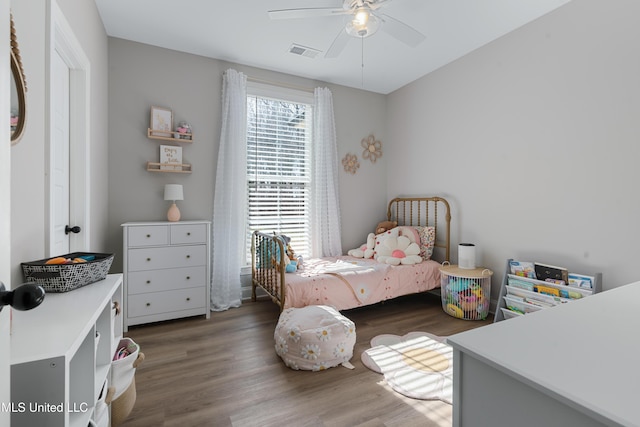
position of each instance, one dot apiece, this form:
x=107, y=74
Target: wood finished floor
x=225, y=372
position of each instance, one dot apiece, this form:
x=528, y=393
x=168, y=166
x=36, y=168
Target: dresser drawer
x=165, y=302
x=182, y=234
x=166, y=257
x=165, y=280
x=148, y=235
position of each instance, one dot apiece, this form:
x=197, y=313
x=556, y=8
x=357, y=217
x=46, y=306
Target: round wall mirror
x=18, y=90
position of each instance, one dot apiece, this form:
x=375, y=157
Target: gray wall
x=534, y=140
x=28, y=210
x=141, y=76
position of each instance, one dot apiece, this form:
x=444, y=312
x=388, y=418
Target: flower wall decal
x=372, y=148
x=350, y=163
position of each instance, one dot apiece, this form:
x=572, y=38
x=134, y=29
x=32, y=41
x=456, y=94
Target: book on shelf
x=581, y=281
x=548, y=288
x=516, y=282
x=522, y=268
x=539, y=303
x=170, y=158
x=531, y=301
x=545, y=271
x=532, y=296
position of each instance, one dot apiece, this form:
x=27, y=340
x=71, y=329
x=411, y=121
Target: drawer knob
x=189, y=234
x=188, y=299
x=188, y=277
x=148, y=304
x=188, y=256
x=148, y=281
x=148, y=259
x=148, y=235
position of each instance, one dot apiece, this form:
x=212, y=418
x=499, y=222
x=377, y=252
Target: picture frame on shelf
x=170, y=158
x=161, y=122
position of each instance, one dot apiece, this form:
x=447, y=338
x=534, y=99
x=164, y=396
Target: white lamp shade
x=173, y=192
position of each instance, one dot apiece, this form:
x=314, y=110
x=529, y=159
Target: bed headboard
x=424, y=211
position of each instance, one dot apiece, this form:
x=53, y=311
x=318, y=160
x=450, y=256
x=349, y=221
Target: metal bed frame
x=270, y=275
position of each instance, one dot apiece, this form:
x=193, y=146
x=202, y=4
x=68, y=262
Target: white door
x=69, y=114
x=5, y=209
x=59, y=156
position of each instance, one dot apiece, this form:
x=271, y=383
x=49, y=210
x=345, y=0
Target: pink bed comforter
x=346, y=282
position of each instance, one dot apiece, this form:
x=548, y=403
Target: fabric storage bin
x=67, y=277
x=465, y=293
x=123, y=405
x=123, y=369
x=123, y=379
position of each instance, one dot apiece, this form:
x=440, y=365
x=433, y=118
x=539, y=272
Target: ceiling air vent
x=297, y=49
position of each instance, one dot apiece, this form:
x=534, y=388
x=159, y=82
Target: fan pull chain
x=362, y=61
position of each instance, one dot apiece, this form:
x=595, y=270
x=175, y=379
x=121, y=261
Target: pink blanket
x=346, y=282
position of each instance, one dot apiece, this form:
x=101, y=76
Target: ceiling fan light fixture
x=363, y=24
x=361, y=16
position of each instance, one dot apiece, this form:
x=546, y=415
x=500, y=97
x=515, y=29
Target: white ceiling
x=242, y=32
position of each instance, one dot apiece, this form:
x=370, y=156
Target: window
x=279, y=164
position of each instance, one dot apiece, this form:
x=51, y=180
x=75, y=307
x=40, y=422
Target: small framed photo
x=161, y=122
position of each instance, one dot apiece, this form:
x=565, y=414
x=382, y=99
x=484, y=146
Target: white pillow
x=394, y=232
x=411, y=233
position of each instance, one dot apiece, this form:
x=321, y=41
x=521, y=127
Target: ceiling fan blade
x=338, y=44
x=401, y=31
x=306, y=12
x=376, y=4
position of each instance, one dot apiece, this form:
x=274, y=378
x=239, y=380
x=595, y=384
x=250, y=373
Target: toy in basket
x=67, y=272
x=465, y=293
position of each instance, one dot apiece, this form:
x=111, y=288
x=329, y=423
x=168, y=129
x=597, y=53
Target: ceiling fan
x=364, y=21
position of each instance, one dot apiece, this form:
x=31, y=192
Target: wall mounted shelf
x=174, y=167
x=168, y=138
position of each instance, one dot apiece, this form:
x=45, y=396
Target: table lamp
x=173, y=192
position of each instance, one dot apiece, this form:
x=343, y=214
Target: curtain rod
x=285, y=85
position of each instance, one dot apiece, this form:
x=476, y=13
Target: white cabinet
x=61, y=354
x=166, y=270
x=572, y=365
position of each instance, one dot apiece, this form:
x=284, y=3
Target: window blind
x=279, y=169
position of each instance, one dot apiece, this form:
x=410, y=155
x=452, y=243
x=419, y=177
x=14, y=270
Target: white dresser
x=166, y=270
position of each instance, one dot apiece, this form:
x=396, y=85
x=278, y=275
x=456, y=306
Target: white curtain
x=325, y=200
x=230, y=198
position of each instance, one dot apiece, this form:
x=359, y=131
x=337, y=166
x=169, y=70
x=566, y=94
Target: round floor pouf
x=314, y=338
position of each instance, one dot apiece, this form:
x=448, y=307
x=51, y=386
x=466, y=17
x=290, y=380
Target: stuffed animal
x=366, y=249
x=385, y=226
x=290, y=261
x=396, y=250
